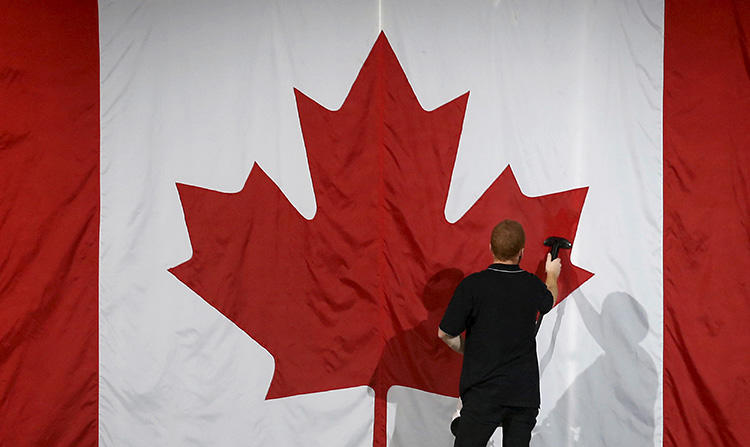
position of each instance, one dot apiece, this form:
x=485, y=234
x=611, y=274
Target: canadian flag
x=237, y=223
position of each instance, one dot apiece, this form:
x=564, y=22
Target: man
x=497, y=308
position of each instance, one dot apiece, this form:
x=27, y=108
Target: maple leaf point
x=354, y=296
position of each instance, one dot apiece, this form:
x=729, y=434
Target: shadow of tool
x=611, y=402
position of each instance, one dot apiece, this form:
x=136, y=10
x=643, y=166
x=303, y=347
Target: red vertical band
x=706, y=223
x=49, y=222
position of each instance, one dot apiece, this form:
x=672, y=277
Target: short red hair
x=507, y=239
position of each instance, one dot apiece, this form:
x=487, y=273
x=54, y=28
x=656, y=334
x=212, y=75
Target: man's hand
x=552, y=267
x=456, y=343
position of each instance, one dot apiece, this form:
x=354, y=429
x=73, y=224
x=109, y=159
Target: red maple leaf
x=353, y=296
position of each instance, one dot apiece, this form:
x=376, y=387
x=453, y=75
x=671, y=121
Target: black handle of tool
x=554, y=251
x=553, y=255
x=555, y=243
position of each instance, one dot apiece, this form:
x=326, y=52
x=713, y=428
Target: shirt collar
x=504, y=267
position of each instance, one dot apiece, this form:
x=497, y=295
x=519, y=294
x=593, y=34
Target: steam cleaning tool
x=556, y=243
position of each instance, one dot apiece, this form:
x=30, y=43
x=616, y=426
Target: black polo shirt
x=497, y=308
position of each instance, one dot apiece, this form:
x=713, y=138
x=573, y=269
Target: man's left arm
x=457, y=343
x=454, y=320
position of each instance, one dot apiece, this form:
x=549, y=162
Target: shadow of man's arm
x=547, y=357
x=591, y=318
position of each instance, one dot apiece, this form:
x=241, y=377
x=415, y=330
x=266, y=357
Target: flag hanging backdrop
x=290, y=191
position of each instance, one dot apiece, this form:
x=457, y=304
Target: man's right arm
x=552, y=267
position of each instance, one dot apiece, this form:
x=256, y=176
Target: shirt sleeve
x=458, y=311
x=546, y=300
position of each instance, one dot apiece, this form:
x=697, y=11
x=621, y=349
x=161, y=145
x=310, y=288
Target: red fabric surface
x=706, y=228
x=49, y=220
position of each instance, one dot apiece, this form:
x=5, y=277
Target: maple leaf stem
x=380, y=429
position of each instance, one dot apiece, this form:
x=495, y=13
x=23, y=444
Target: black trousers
x=517, y=423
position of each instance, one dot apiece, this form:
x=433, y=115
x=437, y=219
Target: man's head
x=507, y=240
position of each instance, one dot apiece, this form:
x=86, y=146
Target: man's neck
x=513, y=261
